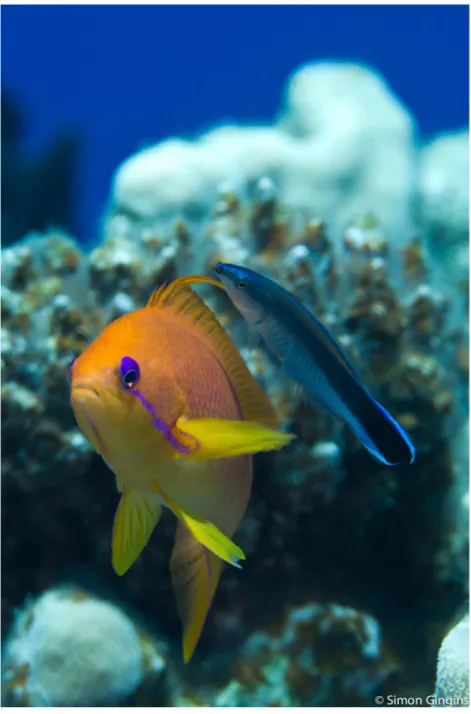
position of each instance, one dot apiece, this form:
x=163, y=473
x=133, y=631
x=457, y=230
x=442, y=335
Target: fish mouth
x=84, y=387
x=229, y=275
x=81, y=394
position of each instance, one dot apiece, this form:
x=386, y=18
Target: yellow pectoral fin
x=219, y=438
x=205, y=532
x=137, y=515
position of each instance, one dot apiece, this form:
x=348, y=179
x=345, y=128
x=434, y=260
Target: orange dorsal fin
x=181, y=298
x=167, y=292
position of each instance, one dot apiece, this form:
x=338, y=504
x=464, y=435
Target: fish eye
x=217, y=269
x=242, y=284
x=69, y=371
x=129, y=373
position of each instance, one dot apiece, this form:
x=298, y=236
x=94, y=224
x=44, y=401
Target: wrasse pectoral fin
x=221, y=438
x=205, y=532
x=137, y=515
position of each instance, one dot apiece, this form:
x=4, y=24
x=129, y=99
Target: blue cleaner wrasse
x=166, y=399
x=311, y=356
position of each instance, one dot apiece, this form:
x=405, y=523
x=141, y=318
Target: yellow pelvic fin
x=205, y=532
x=195, y=574
x=137, y=515
x=180, y=297
x=221, y=438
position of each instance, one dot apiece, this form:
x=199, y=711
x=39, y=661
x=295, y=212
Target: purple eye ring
x=129, y=373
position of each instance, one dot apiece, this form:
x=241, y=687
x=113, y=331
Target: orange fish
x=166, y=399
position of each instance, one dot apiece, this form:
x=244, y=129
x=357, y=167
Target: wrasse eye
x=129, y=373
x=217, y=269
x=69, y=371
x=242, y=284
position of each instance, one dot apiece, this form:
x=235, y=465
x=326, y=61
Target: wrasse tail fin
x=180, y=297
x=380, y=433
x=205, y=532
x=221, y=438
x=137, y=515
x=398, y=447
x=195, y=575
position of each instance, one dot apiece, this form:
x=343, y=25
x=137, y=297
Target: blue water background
x=123, y=77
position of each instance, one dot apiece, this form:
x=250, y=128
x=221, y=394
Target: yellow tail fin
x=195, y=574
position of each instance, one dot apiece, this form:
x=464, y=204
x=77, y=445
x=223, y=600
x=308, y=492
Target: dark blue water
x=123, y=77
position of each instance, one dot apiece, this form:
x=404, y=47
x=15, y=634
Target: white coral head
x=72, y=650
x=453, y=666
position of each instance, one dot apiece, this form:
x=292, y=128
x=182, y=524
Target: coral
x=444, y=187
x=49, y=471
x=43, y=328
x=325, y=521
x=343, y=144
x=452, y=686
x=70, y=649
x=444, y=199
x=358, y=145
x=317, y=655
x=130, y=263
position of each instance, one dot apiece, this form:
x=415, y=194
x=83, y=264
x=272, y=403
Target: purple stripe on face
x=164, y=428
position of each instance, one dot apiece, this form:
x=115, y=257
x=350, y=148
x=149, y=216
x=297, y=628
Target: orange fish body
x=163, y=395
